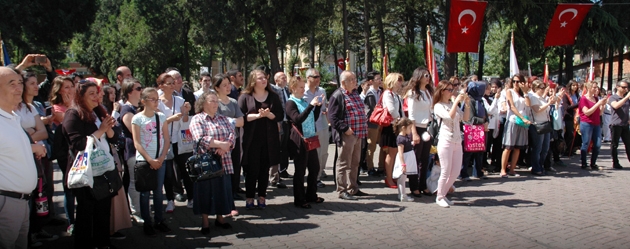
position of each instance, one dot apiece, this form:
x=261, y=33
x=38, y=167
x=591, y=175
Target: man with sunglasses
x=619, y=120
x=321, y=125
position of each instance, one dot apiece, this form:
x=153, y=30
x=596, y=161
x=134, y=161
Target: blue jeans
x=590, y=133
x=539, y=148
x=477, y=158
x=158, y=199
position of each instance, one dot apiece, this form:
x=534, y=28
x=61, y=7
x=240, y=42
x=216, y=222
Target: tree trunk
x=272, y=48
x=611, y=53
x=620, y=64
x=381, y=34
x=410, y=25
x=312, y=49
x=561, y=65
x=467, y=68
x=450, y=59
x=568, y=61
x=368, y=33
x=186, y=53
x=346, y=43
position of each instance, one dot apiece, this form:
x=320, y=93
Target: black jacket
x=296, y=145
x=337, y=114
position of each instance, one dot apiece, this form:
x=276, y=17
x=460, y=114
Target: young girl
x=406, y=155
x=145, y=139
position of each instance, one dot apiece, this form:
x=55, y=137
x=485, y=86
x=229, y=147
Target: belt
x=15, y=195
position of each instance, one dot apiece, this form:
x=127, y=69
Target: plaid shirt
x=355, y=115
x=206, y=128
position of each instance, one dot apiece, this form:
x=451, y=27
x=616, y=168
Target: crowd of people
x=255, y=128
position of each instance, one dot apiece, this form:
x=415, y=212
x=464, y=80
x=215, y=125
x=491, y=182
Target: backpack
x=434, y=129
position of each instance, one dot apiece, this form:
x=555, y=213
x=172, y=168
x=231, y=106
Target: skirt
x=514, y=137
x=410, y=161
x=214, y=196
x=388, y=137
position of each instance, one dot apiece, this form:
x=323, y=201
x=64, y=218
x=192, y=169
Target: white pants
x=451, y=156
x=322, y=151
x=134, y=195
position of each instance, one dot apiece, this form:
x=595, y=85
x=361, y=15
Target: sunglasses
x=315, y=76
x=624, y=87
x=138, y=88
x=449, y=89
x=457, y=85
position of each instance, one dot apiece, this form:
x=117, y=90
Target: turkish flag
x=566, y=23
x=341, y=63
x=464, y=26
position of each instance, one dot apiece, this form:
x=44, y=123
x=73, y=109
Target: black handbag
x=544, y=127
x=106, y=185
x=434, y=129
x=204, y=166
x=146, y=178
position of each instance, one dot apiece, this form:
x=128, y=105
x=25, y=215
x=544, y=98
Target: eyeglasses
x=168, y=83
x=213, y=101
x=624, y=87
x=138, y=88
x=151, y=100
x=457, y=85
x=315, y=76
x=448, y=89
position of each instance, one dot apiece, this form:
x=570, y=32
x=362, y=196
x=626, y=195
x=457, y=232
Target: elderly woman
x=86, y=118
x=263, y=110
x=302, y=115
x=229, y=107
x=393, y=105
x=215, y=134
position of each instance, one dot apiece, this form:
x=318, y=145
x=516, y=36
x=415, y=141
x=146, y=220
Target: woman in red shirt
x=590, y=110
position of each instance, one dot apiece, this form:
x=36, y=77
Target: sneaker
x=559, y=164
x=180, y=198
x=551, y=169
x=137, y=219
x=117, y=235
x=36, y=244
x=466, y=179
x=442, y=203
x=324, y=174
x=149, y=231
x=450, y=203
x=70, y=229
x=160, y=226
x=45, y=236
x=320, y=184
x=170, y=206
x=617, y=166
x=406, y=198
x=189, y=204
x=484, y=177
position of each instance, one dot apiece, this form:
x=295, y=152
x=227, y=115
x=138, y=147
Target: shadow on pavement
x=513, y=203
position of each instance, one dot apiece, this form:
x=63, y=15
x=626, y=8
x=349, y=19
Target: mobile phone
x=40, y=59
x=319, y=98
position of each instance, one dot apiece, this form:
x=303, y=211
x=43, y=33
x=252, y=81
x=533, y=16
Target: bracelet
x=404, y=165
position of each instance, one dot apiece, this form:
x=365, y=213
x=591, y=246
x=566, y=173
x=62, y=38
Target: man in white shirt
x=18, y=174
x=205, y=79
x=321, y=125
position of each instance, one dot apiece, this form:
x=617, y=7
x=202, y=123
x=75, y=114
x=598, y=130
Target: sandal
x=304, y=205
x=318, y=200
x=504, y=176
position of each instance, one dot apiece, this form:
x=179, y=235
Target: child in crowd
x=405, y=156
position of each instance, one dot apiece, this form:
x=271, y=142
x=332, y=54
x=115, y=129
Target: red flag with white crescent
x=565, y=24
x=464, y=26
x=340, y=63
x=546, y=74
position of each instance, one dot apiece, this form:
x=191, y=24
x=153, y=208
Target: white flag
x=513, y=63
x=591, y=73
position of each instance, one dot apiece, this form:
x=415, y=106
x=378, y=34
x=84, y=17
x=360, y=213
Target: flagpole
x=1, y=50
x=385, y=62
x=347, y=60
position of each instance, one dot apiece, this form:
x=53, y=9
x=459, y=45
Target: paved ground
x=572, y=208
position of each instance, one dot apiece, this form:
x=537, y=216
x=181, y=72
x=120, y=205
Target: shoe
x=318, y=200
x=595, y=167
x=359, y=193
x=394, y=186
x=262, y=204
x=504, y=176
x=484, y=177
x=170, y=206
x=117, y=235
x=419, y=195
x=380, y=173
x=205, y=230
x=324, y=175
x=180, y=198
x=250, y=205
x=240, y=191
x=450, y=203
x=189, y=204
x=467, y=179
x=514, y=174
x=559, y=164
x=137, y=219
x=281, y=185
x=538, y=173
x=234, y=213
x=371, y=172
x=584, y=167
x=222, y=225
x=237, y=197
x=70, y=229
x=617, y=166
x=359, y=183
x=551, y=169
x=303, y=205
x=36, y=244
x=406, y=198
x=442, y=203
x=149, y=231
x=160, y=226
x=285, y=175
x=45, y=236
x=347, y=197
x=320, y=184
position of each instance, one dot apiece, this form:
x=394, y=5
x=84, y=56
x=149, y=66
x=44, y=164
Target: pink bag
x=474, y=138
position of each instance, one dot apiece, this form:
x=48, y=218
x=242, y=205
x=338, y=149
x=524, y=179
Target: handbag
x=310, y=143
x=204, y=166
x=80, y=174
x=144, y=175
x=434, y=129
x=474, y=138
x=544, y=127
x=106, y=185
x=380, y=115
x=100, y=157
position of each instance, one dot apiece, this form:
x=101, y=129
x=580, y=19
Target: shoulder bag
x=544, y=127
x=380, y=115
x=146, y=177
x=434, y=128
x=310, y=143
x=204, y=166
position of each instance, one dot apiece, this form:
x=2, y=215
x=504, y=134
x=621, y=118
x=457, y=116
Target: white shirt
x=174, y=127
x=322, y=121
x=17, y=166
x=519, y=103
x=392, y=103
x=420, y=108
x=535, y=100
x=198, y=93
x=493, y=112
x=449, y=130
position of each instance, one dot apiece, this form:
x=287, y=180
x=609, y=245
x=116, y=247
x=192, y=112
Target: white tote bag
x=186, y=143
x=80, y=174
x=100, y=158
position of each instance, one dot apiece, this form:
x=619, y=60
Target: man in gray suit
x=282, y=90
